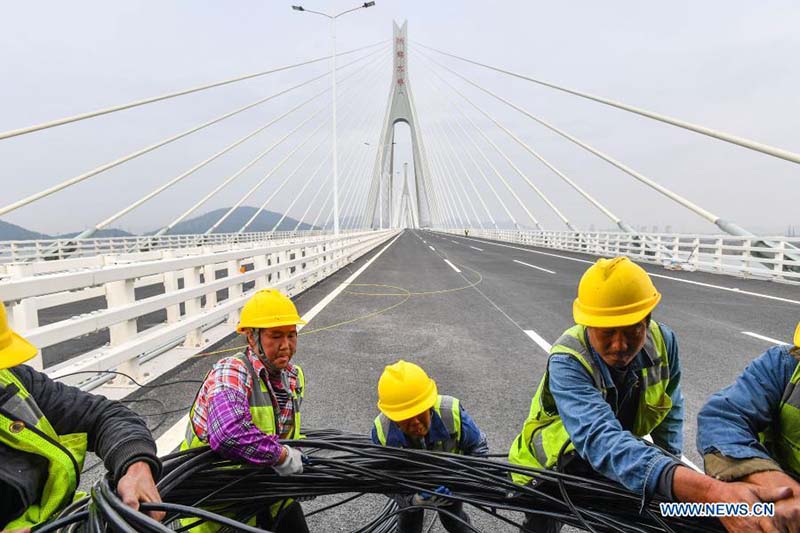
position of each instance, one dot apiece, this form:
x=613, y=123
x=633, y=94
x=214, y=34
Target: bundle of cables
x=198, y=485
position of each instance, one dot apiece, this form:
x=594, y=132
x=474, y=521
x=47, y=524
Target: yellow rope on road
x=402, y=292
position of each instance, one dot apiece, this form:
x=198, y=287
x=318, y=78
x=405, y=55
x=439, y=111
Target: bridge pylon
x=400, y=108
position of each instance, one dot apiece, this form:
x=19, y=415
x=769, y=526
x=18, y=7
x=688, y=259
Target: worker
x=414, y=415
x=249, y=401
x=46, y=427
x=750, y=430
x=611, y=379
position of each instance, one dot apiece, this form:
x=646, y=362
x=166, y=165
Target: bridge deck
x=471, y=330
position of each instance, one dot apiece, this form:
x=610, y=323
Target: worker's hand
x=291, y=462
x=738, y=492
x=787, y=515
x=138, y=485
x=434, y=499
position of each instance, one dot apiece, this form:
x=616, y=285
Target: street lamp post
x=333, y=98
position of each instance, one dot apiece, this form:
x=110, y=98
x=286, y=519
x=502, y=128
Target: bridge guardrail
x=66, y=248
x=186, y=282
x=757, y=257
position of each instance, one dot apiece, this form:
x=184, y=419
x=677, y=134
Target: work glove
x=435, y=499
x=292, y=464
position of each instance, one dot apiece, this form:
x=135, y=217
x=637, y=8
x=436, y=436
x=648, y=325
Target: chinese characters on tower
x=400, y=61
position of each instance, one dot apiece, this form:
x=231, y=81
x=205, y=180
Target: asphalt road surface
x=478, y=315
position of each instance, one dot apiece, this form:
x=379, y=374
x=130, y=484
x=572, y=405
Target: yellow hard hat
x=268, y=308
x=614, y=293
x=797, y=335
x=405, y=390
x=14, y=350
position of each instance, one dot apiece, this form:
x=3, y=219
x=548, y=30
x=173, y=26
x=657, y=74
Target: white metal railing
x=290, y=264
x=56, y=249
x=758, y=257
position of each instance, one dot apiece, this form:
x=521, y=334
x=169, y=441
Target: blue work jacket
x=730, y=421
x=473, y=440
x=591, y=420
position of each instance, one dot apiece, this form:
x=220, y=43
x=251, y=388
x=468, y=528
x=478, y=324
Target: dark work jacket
x=115, y=433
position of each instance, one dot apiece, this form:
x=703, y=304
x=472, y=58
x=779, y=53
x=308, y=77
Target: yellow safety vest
x=786, y=443
x=448, y=410
x=543, y=435
x=264, y=418
x=23, y=427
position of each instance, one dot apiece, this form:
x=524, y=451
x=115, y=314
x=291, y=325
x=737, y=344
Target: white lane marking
x=729, y=289
x=543, y=344
x=172, y=437
x=454, y=242
x=452, y=265
x=529, y=250
x=431, y=247
x=709, y=285
x=534, y=266
x=685, y=459
x=763, y=338
x=338, y=290
x=474, y=248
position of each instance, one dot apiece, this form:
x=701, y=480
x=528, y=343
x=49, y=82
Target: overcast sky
x=729, y=65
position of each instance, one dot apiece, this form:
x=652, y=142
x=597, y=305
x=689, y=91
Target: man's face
x=618, y=346
x=417, y=426
x=279, y=344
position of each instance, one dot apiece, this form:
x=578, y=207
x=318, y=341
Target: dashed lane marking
x=691, y=282
x=431, y=247
x=474, y=248
x=543, y=344
x=452, y=266
x=534, y=266
x=763, y=338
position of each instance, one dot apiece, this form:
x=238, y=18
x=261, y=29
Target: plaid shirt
x=224, y=400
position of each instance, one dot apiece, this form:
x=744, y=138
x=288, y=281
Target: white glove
x=292, y=464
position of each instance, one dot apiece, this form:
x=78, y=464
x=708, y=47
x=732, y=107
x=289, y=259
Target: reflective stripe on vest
x=787, y=441
x=260, y=402
x=544, y=435
x=447, y=407
x=24, y=428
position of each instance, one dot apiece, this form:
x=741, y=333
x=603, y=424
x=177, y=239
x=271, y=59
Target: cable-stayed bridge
x=459, y=258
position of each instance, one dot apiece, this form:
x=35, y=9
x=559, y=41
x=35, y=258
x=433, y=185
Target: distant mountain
x=12, y=232
x=263, y=222
x=99, y=234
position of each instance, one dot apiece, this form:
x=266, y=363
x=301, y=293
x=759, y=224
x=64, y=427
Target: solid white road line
x=685, y=459
x=172, y=438
x=534, y=266
x=479, y=249
x=452, y=265
x=431, y=247
x=709, y=285
x=763, y=338
x=543, y=344
x=729, y=289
